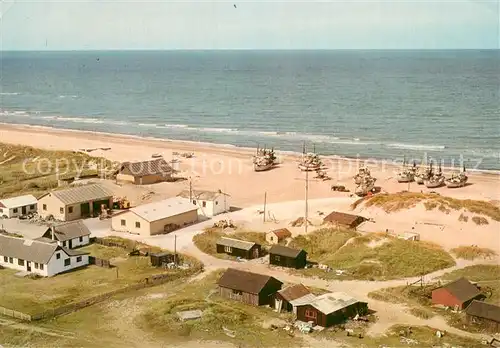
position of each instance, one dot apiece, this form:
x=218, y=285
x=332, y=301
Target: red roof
x=282, y=233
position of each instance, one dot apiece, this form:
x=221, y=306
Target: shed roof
x=294, y=292
x=282, y=233
x=149, y=167
x=163, y=209
x=19, y=201
x=68, y=230
x=236, y=243
x=344, y=219
x=484, y=310
x=462, y=289
x=303, y=300
x=244, y=281
x=285, y=251
x=81, y=194
x=332, y=302
x=201, y=194
x=30, y=250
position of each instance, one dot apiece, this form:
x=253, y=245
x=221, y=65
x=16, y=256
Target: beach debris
x=187, y=154
x=190, y=315
x=228, y=332
x=338, y=188
x=147, y=195
x=156, y=155
x=299, y=222
x=224, y=224
x=8, y=159
x=322, y=175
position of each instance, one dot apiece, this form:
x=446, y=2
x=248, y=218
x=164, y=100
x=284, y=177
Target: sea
x=385, y=105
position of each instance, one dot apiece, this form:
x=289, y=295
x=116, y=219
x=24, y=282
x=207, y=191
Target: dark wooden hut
x=247, y=287
x=486, y=315
x=160, y=259
x=238, y=248
x=343, y=220
x=280, y=255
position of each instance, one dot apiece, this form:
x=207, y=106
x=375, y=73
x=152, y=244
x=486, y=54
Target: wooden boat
x=406, y=174
x=436, y=180
x=421, y=176
x=367, y=186
x=457, y=181
x=264, y=160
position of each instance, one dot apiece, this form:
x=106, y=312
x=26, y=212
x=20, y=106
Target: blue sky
x=261, y=24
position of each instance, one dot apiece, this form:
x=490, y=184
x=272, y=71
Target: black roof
x=249, y=282
x=285, y=251
x=484, y=310
x=462, y=289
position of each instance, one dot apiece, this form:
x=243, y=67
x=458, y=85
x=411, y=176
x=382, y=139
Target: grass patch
x=207, y=240
x=405, y=200
x=218, y=313
x=472, y=252
x=33, y=296
x=421, y=312
x=104, y=252
x=381, y=257
x=27, y=170
x=480, y=220
x=321, y=244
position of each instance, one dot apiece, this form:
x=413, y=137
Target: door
x=85, y=209
x=255, y=253
x=28, y=266
x=70, y=244
x=23, y=210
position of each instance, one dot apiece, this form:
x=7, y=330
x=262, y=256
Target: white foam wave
x=79, y=119
x=68, y=96
x=218, y=130
x=417, y=147
x=176, y=125
x=149, y=125
x=9, y=93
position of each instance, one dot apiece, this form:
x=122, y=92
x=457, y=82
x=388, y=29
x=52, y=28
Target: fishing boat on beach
x=435, y=180
x=406, y=174
x=366, y=186
x=264, y=160
x=423, y=174
x=363, y=172
x=457, y=180
x=310, y=161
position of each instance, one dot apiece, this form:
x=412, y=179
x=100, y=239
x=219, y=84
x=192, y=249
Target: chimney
x=52, y=232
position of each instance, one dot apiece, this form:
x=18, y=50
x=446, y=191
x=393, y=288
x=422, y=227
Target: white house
x=45, y=259
x=69, y=235
x=18, y=206
x=209, y=203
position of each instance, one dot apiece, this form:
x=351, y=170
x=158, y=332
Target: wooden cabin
x=238, y=248
x=283, y=256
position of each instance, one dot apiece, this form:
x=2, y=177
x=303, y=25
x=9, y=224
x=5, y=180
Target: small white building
x=209, y=203
x=69, y=235
x=278, y=236
x=45, y=259
x=18, y=206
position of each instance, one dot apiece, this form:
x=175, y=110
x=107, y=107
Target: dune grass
x=480, y=220
x=27, y=170
x=405, y=200
x=472, y=252
x=382, y=257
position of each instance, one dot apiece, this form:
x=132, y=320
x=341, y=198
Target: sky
x=256, y=24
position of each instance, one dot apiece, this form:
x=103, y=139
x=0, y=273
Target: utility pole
x=307, y=205
x=190, y=189
x=175, y=249
x=265, y=201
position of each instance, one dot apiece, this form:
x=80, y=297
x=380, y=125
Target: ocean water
x=442, y=105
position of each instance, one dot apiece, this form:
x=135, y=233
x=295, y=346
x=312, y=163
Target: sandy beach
x=230, y=168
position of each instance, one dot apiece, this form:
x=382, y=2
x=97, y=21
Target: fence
x=15, y=314
x=99, y=262
x=150, y=281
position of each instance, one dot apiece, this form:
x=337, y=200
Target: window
x=44, y=207
x=204, y=204
x=137, y=224
x=1, y=210
x=11, y=260
x=64, y=243
x=61, y=210
x=78, y=259
x=80, y=239
x=123, y=222
x=32, y=207
x=277, y=258
x=20, y=262
x=237, y=292
x=14, y=210
x=5, y=259
x=311, y=314
x=58, y=256
x=36, y=265
x=228, y=249
x=67, y=262
x=216, y=202
x=194, y=201
x=70, y=210
x=41, y=266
